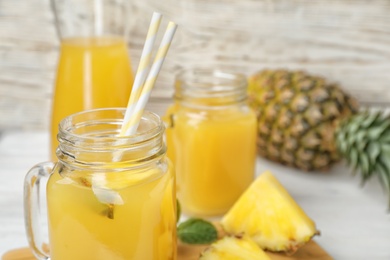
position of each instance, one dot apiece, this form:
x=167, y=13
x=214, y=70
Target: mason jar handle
x=33, y=183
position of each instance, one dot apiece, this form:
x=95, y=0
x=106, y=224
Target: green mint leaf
x=197, y=231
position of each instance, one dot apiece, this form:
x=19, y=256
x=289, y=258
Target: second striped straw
x=142, y=89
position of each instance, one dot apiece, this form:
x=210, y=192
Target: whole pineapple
x=308, y=123
x=297, y=115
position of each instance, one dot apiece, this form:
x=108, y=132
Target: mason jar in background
x=211, y=139
x=108, y=197
x=94, y=69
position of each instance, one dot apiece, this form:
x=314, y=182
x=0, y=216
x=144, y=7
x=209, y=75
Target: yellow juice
x=142, y=227
x=92, y=73
x=214, y=156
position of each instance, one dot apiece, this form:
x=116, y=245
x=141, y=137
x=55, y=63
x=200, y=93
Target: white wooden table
x=353, y=220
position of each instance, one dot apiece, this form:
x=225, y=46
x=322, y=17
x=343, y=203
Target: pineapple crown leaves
x=364, y=141
x=197, y=231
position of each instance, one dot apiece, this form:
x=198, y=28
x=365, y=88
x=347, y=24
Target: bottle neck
x=90, y=139
x=210, y=89
x=86, y=18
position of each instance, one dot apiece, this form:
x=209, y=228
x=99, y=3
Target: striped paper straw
x=130, y=127
x=143, y=65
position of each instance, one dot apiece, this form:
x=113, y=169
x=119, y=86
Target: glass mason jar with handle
x=211, y=139
x=108, y=197
x=94, y=69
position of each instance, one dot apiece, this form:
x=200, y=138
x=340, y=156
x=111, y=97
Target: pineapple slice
x=270, y=216
x=234, y=248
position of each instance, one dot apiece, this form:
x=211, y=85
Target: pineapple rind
x=297, y=116
x=234, y=248
x=270, y=216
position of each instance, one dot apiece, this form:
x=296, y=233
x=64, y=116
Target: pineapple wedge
x=270, y=216
x=234, y=248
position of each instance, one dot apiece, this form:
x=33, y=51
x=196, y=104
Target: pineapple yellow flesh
x=234, y=248
x=270, y=216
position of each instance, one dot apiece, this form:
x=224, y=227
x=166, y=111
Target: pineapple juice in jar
x=211, y=138
x=109, y=197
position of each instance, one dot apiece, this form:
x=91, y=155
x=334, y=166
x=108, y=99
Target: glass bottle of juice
x=94, y=69
x=211, y=139
x=108, y=197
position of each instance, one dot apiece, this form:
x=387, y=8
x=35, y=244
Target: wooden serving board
x=189, y=252
x=310, y=251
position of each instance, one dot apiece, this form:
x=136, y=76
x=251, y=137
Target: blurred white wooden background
x=347, y=41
